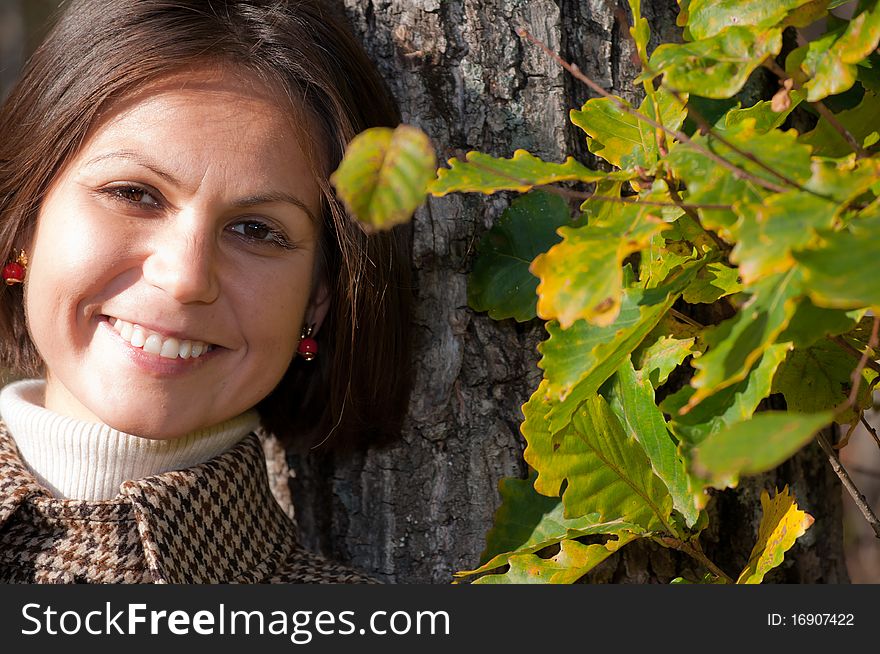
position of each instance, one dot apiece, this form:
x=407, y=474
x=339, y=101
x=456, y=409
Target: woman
x=180, y=274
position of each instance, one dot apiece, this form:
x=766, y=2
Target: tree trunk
x=418, y=511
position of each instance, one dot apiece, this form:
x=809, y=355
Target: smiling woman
x=164, y=192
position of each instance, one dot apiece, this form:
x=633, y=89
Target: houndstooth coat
x=213, y=523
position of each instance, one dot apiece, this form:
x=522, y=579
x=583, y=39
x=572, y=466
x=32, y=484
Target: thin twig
x=696, y=553
x=681, y=136
x=824, y=111
x=871, y=430
x=686, y=319
x=848, y=484
x=843, y=442
x=857, y=373
x=584, y=195
x=706, y=128
x=873, y=365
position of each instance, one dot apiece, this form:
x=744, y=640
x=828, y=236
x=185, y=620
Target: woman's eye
x=133, y=195
x=256, y=231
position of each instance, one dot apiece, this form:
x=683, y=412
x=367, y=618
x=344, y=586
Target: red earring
x=308, y=346
x=13, y=272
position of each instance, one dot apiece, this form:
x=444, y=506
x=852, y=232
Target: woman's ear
x=319, y=304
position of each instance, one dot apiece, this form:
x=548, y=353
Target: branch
x=856, y=376
x=696, y=553
x=873, y=365
x=681, y=136
x=686, y=319
x=848, y=484
x=871, y=430
x=585, y=195
x=824, y=111
x=706, y=128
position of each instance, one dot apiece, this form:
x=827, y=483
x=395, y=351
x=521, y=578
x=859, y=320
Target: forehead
x=207, y=118
x=215, y=94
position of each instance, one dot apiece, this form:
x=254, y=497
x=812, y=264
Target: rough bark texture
x=419, y=510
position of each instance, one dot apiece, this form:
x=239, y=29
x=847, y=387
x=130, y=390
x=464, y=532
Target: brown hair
x=103, y=50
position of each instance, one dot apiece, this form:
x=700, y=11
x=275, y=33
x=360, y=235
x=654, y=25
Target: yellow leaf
x=581, y=277
x=781, y=525
x=384, y=175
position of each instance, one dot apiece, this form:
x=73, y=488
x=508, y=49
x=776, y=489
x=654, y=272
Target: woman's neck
x=88, y=461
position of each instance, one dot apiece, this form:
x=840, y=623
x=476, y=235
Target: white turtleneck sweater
x=88, y=461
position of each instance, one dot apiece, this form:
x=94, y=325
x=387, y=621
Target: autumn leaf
x=581, y=277
x=781, y=525
x=528, y=522
x=605, y=471
x=384, y=175
x=573, y=561
x=481, y=173
x=717, y=66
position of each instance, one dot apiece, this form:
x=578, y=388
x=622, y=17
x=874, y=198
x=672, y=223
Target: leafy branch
x=765, y=235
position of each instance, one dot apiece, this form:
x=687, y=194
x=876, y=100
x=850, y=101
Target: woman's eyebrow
x=274, y=196
x=139, y=159
x=243, y=203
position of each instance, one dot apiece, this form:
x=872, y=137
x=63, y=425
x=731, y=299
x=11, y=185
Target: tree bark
x=418, y=510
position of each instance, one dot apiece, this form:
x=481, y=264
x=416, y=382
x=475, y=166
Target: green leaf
x=810, y=324
x=718, y=66
x=756, y=445
x=710, y=183
x=714, y=281
x=480, y=173
x=709, y=17
x=587, y=355
x=640, y=31
x=843, y=179
x=606, y=471
x=736, y=344
x=500, y=281
x=830, y=61
x=842, y=273
x=781, y=525
x=581, y=277
x=384, y=175
x=619, y=137
x=661, y=257
x=726, y=407
x=527, y=522
x=762, y=113
x=631, y=398
x=573, y=561
x=861, y=122
x=770, y=231
x=663, y=355
x=819, y=378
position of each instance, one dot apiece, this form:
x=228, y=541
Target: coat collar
x=215, y=522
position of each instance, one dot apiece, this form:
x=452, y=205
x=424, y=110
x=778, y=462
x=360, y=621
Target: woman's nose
x=182, y=262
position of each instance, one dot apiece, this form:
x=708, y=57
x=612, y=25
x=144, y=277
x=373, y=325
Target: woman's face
x=172, y=265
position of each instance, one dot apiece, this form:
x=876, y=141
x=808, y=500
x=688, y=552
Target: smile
x=153, y=343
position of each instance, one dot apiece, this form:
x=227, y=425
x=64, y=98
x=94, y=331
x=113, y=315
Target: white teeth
x=126, y=330
x=138, y=337
x=170, y=348
x=152, y=343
